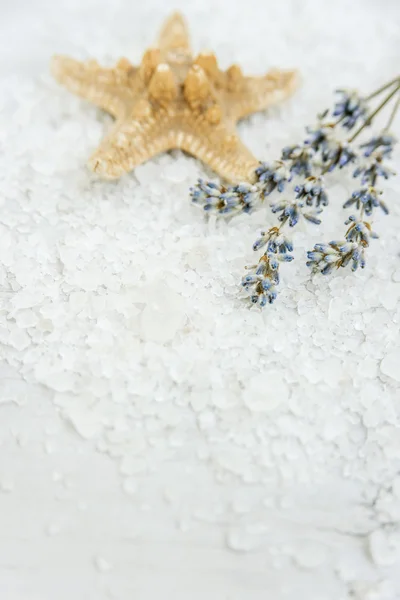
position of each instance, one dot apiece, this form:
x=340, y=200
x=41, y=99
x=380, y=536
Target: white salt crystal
x=6, y=486
x=175, y=172
x=390, y=295
x=27, y=299
x=102, y=564
x=390, y=364
x=26, y=318
x=132, y=465
x=310, y=555
x=206, y=420
x=239, y=540
x=163, y=315
x=147, y=173
x=19, y=339
x=60, y=381
x=242, y=502
x=266, y=391
x=84, y=421
x=199, y=400
x=53, y=529
x=130, y=486
x=384, y=547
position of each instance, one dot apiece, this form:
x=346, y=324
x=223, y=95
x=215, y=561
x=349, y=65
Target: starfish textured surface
x=173, y=100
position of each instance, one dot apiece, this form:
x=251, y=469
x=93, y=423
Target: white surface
x=158, y=439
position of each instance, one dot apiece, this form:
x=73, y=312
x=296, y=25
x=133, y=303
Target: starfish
x=173, y=100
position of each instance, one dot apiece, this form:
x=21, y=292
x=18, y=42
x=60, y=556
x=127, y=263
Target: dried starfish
x=173, y=101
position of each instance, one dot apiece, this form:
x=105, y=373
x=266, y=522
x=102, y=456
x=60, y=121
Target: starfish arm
x=173, y=40
x=252, y=94
x=221, y=149
x=107, y=88
x=131, y=143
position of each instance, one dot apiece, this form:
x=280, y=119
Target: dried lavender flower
x=359, y=231
x=385, y=142
x=324, y=258
x=312, y=191
x=273, y=175
x=261, y=282
x=300, y=159
x=276, y=240
x=319, y=136
x=367, y=198
x=322, y=152
x=372, y=168
x=350, y=108
x=337, y=154
x=292, y=210
x=225, y=200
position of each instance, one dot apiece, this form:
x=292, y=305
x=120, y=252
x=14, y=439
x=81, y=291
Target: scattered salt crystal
x=278, y=562
x=6, y=486
x=206, y=420
x=286, y=502
x=19, y=339
x=59, y=381
x=27, y=298
x=199, y=400
x=184, y=525
x=147, y=173
x=242, y=502
x=85, y=423
x=130, y=486
x=163, y=315
x=132, y=465
x=102, y=565
x=390, y=364
x=53, y=529
x=372, y=590
x=239, y=540
x=310, y=555
x=384, y=547
x=269, y=502
x=266, y=391
x=175, y=172
x=26, y=318
x=48, y=447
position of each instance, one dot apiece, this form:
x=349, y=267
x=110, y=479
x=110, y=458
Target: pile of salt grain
x=122, y=300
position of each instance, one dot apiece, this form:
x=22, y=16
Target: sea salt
x=390, y=364
x=120, y=300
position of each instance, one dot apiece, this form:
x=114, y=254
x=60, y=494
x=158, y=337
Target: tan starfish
x=173, y=100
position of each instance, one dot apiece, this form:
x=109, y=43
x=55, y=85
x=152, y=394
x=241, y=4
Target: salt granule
x=102, y=564
x=390, y=365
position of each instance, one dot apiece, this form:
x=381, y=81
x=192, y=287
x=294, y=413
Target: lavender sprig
x=350, y=108
x=261, y=284
x=326, y=257
x=321, y=152
x=384, y=141
x=367, y=198
x=372, y=168
x=225, y=200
